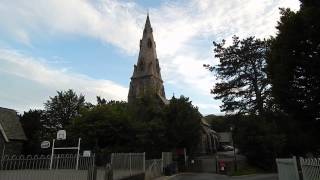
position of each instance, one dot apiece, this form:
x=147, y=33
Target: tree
x=293, y=65
x=242, y=79
x=183, y=124
x=32, y=125
x=106, y=128
x=259, y=140
x=218, y=123
x=61, y=109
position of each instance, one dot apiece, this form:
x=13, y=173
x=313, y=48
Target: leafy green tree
x=218, y=123
x=293, y=65
x=104, y=126
x=183, y=124
x=61, y=109
x=259, y=140
x=294, y=62
x=32, y=125
x=242, y=79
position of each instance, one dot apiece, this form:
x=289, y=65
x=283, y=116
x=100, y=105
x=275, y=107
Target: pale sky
x=91, y=45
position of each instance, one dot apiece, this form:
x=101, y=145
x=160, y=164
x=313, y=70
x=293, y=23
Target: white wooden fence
x=288, y=169
x=310, y=168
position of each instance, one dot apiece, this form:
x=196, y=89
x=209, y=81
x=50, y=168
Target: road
x=207, y=176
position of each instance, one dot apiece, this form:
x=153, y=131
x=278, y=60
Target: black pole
x=234, y=152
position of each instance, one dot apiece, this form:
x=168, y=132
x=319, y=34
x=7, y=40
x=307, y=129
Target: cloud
x=109, y=21
x=19, y=65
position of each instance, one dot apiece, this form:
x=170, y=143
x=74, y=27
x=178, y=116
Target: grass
x=247, y=171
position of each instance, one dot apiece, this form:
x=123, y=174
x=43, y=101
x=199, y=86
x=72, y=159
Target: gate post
x=52, y=153
x=144, y=161
x=130, y=164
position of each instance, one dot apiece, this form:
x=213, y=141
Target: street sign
x=45, y=144
x=86, y=153
x=61, y=135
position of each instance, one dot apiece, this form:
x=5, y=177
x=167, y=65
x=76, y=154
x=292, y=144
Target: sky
x=91, y=46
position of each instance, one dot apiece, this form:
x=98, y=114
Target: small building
x=225, y=138
x=12, y=135
x=209, y=139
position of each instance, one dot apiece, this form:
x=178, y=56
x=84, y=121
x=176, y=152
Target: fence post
x=78, y=153
x=52, y=152
x=296, y=166
x=144, y=161
x=162, y=162
x=130, y=164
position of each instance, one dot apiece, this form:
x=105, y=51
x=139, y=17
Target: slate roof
x=10, y=125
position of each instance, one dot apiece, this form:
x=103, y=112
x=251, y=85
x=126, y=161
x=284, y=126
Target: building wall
x=1, y=144
x=13, y=148
x=10, y=148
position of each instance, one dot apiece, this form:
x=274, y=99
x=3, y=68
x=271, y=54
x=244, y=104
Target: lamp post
x=234, y=149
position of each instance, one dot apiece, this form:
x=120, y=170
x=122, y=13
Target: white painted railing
x=38, y=168
x=310, y=168
x=287, y=169
x=60, y=161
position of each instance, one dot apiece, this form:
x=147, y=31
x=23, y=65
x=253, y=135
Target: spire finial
x=148, y=24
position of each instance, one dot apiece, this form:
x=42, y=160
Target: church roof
x=10, y=125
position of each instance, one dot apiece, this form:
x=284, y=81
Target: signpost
x=61, y=135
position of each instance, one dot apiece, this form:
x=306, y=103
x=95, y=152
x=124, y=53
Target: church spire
x=146, y=76
x=147, y=26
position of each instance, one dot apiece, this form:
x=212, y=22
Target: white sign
x=61, y=135
x=45, y=144
x=87, y=153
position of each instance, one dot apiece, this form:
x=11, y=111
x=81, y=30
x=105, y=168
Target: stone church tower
x=146, y=78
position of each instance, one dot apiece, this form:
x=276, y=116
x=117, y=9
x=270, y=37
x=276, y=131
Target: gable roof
x=10, y=126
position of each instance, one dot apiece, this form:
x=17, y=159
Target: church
x=147, y=80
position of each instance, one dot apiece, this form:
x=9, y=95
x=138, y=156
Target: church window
x=149, y=43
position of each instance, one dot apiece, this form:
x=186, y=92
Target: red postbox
x=222, y=166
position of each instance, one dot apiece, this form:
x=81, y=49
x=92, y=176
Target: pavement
x=209, y=176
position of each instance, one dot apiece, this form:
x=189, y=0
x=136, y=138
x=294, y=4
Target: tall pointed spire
x=146, y=78
x=147, y=26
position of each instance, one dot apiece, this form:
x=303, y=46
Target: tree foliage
x=219, y=123
x=293, y=65
x=62, y=108
x=242, y=79
x=183, y=124
x=32, y=125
